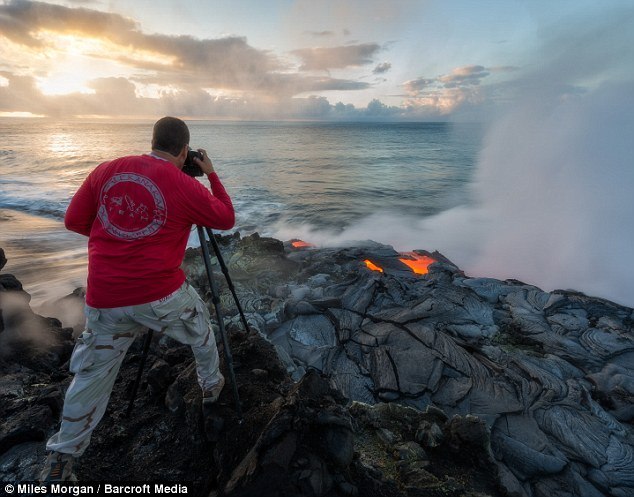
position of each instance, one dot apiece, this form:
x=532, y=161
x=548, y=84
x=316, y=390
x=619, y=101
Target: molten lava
x=372, y=266
x=301, y=244
x=417, y=263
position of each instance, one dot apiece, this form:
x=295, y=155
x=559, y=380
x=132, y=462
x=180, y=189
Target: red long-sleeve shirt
x=138, y=212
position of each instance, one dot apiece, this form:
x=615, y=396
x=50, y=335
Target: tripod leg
x=137, y=382
x=221, y=325
x=225, y=271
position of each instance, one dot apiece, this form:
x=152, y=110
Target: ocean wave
x=12, y=181
x=36, y=207
x=251, y=213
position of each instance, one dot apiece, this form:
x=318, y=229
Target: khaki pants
x=101, y=348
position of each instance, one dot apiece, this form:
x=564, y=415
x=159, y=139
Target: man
x=138, y=212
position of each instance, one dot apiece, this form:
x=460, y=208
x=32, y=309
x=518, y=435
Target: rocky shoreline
x=354, y=381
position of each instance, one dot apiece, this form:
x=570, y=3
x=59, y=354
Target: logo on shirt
x=131, y=207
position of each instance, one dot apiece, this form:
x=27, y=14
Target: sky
x=410, y=60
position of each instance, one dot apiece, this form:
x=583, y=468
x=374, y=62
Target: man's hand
x=205, y=164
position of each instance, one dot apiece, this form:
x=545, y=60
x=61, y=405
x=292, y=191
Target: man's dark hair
x=170, y=135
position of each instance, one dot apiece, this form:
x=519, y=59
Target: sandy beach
x=49, y=260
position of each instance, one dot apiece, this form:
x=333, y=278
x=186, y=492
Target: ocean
x=286, y=179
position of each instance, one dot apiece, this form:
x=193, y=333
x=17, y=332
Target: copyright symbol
x=9, y=488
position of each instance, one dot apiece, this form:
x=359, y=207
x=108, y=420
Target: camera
x=190, y=168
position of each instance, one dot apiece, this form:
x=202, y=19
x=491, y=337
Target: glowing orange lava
x=372, y=266
x=301, y=244
x=417, y=263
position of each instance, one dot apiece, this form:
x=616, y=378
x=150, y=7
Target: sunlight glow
x=223, y=93
x=63, y=144
x=71, y=44
x=19, y=114
x=75, y=60
x=154, y=90
x=63, y=84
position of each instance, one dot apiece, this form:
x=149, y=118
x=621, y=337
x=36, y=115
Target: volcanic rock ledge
x=551, y=375
x=296, y=438
x=404, y=384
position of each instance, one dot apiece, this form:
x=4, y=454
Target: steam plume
x=553, y=188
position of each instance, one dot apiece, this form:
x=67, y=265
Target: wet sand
x=49, y=260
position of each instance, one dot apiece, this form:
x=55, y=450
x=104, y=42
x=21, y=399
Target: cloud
x=503, y=69
x=325, y=84
x=118, y=97
x=415, y=86
x=321, y=34
x=225, y=63
x=382, y=68
x=19, y=94
x=229, y=61
x=322, y=59
x=446, y=93
x=220, y=77
x=20, y=21
x=464, y=76
x=111, y=96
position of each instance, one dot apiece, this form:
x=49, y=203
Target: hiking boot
x=213, y=422
x=211, y=396
x=58, y=467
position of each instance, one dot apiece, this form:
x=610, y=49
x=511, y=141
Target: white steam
x=554, y=187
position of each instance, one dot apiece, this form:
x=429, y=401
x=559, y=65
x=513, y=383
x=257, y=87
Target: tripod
x=215, y=298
